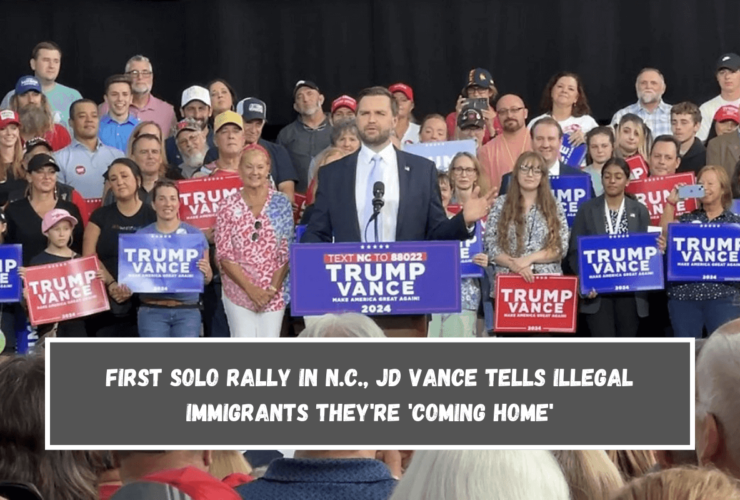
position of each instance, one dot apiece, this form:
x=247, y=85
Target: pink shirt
x=156, y=110
x=497, y=157
x=259, y=257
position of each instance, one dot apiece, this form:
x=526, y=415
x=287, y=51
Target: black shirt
x=24, y=227
x=72, y=327
x=113, y=223
x=694, y=159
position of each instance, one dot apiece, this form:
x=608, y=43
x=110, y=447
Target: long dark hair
x=580, y=107
x=133, y=166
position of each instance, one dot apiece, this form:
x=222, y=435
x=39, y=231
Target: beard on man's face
x=34, y=120
x=195, y=159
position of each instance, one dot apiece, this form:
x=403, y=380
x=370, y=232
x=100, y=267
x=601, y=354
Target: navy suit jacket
x=420, y=212
x=564, y=170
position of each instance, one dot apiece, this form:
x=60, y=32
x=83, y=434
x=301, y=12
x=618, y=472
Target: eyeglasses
x=136, y=73
x=510, y=111
x=529, y=169
x=257, y=227
x=463, y=171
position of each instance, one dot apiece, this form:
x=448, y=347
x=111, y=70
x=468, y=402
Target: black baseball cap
x=470, y=117
x=730, y=61
x=37, y=141
x=40, y=161
x=304, y=83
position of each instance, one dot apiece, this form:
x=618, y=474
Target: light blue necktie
x=375, y=175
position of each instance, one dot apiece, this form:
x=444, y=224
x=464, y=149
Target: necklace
x=506, y=144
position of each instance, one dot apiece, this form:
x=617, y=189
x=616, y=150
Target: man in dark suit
x=412, y=209
x=547, y=136
x=724, y=150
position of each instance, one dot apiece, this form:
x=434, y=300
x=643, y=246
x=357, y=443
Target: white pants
x=246, y=323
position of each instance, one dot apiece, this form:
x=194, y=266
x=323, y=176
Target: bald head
x=512, y=113
x=718, y=399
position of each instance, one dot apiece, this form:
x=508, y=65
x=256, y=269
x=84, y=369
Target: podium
x=403, y=326
x=398, y=285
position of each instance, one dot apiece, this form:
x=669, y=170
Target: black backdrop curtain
x=263, y=46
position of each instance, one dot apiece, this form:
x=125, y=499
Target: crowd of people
x=59, y=150
x=711, y=471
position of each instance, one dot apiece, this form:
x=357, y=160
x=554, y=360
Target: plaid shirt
x=659, y=120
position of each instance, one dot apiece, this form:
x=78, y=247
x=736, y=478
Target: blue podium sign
x=377, y=279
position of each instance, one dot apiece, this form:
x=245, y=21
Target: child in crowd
x=57, y=225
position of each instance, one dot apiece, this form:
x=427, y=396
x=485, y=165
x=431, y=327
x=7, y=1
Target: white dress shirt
x=554, y=169
x=389, y=212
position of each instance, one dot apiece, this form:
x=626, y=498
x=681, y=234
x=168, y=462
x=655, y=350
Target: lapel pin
x=632, y=215
x=406, y=168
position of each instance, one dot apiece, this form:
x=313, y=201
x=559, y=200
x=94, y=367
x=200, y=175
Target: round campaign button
x=2, y=341
x=80, y=169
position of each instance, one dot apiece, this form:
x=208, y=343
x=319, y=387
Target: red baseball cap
x=8, y=116
x=344, y=101
x=727, y=112
x=404, y=89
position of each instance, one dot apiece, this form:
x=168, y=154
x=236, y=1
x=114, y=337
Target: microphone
x=378, y=192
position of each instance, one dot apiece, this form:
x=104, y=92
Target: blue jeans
x=688, y=317
x=168, y=322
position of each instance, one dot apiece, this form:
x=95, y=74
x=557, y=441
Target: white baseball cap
x=195, y=93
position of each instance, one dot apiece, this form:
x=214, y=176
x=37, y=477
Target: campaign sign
x=299, y=230
x=66, y=290
x=653, y=193
x=620, y=263
x=736, y=207
x=375, y=278
x=468, y=249
x=299, y=207
x=638, y=168
x=26, y=335
x=572, y=155
x=10, y=283
x=703, y=252
x=441, y=153
x=91, y=204
x=199, y=198
x=546, y=305
x=571, y=191
x=160, y=263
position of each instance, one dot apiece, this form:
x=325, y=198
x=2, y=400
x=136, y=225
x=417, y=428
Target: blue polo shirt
x=83, y=169
x=114, y=134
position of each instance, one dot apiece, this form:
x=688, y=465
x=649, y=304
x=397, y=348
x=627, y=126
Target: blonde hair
x=681, y=484
x=724, y=182
x=481, y=181
x=321, y=161
x=227, y=462
x=632, y=463
x=16, y=166
x=590, y=474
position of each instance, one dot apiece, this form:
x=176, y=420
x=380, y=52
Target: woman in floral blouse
x=466, y=175
x=254, y=230
x=526, y=231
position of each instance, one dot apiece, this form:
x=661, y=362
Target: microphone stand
x=377, y=205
